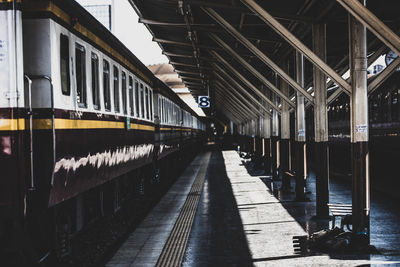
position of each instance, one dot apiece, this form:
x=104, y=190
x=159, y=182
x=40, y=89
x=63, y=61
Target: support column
x=249, y=141
x=260, y=146
x=300, y=138
x=267, y=144
x=275, y=142
x=321, y=125
x=257, y=145
x=285, y=135
x=242, y=138
x=359, y=126
x=253, y=125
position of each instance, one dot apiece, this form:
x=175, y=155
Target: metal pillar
x=256, y=142
x=267, y=143
x=248, y=137
x=253, y=126
x=285, y=134
x=300, y=138
x=359, y=126
x=321, y=153
x=275, y=141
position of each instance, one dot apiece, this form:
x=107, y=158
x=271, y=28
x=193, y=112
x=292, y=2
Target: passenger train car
x=77, y=111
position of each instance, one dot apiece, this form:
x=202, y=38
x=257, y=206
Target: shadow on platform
x=217, y=237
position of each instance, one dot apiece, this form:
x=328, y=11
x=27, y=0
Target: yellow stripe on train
x=59, y=124
x=12, y=124
x=10, y=1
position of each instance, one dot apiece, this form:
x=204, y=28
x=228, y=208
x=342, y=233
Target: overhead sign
x=204, y=101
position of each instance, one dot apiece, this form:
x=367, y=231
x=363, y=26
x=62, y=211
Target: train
x=384, y=135
x=82, y=124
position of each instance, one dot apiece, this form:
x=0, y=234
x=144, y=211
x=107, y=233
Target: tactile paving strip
x=173, y=251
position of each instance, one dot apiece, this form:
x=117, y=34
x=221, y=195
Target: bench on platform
x=343, y=211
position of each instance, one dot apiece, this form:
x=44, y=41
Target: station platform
x=221, y=213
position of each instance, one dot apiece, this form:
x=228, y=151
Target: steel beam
x=244, y=80
x=241, y=108
x=374, y=24
x=187, y=72
x=251, y=69
x=238, y=86
x=236, y=99
x=250, y=111
x=255, y=101
x=193, y=83
x=177, y=55
x=238, y=111
x=383, y=75
x=339, y=91
x=187, y=65
x=239, y=8
x=242, y=98
x=296, y=43
x=228, y=114
x=244, y=111
x=178, y=43
x=257, y=52
x=227, y=107
x=183, y=77
x=370, y=60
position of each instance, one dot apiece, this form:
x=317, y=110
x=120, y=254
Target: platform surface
x=242, y=219
x=145, y=244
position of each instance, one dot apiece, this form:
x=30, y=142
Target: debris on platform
x=334, y=240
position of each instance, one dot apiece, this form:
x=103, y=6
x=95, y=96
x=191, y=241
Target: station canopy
x=232, y=48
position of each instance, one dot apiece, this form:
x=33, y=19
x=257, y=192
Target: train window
x=162, y=109
x=159, y=108
x=142, y=115
x=80, y=75
x=175, y=115
x=106, y=85
x=166, y=111
x=95, y=81
x=394, y=105
x=146, y=98
x=137, y=98
x=130, y=89
x=123, y=80
x=116, y=89
x=151, y=105
x=64, y=65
